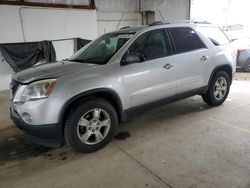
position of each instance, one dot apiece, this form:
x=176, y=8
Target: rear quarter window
x=214, y=34
x=185, y=39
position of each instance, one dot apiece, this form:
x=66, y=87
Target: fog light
x=26, y=117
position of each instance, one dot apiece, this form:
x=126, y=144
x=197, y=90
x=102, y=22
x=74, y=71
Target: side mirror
x=133, y=57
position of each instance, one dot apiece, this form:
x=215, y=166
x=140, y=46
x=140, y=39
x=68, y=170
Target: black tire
x=209, y=97
x=247, y=67
x=72, y=129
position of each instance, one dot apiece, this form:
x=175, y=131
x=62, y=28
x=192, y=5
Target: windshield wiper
x=91, y=61
x=78, y=60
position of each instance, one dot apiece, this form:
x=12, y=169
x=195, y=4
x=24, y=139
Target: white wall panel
x=74, y=2
x=64, y=49
x=114, y=14
x=10, y=29
x=5, y=74
x=51, y=24
x=41, y=24
x=111, y=21
x=81, y=24
x=168, y=10
x=117, y=5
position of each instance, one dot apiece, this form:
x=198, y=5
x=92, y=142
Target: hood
x=52, y=70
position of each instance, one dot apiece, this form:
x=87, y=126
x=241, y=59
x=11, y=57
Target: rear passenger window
x=215, y=34
x=185, y=39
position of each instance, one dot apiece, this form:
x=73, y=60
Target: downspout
x=21, y=21
x=163, y=19
x=141, y=12
x=120, y=21
x=92, y=3
x=189, y=10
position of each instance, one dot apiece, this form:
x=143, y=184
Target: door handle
x=168, y=66
x=204, y=58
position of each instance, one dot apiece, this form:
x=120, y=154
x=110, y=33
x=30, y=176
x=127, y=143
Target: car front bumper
x=48, y=135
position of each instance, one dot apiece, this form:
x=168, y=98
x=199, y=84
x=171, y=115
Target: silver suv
x=82, y=100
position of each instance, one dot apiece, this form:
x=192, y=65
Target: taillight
x=239, y=51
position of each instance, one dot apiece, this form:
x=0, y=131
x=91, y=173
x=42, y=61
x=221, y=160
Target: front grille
x=13, y=86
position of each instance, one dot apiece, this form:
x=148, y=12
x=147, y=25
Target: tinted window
x=185, y=39
x=215, y=34
x=153, y=44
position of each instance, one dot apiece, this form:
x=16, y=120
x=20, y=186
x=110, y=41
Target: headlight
x=38, y=90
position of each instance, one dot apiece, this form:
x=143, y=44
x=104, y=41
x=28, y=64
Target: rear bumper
x=47, y=135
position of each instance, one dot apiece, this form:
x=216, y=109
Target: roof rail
x=191, y=22
x=156, y=23
x=124, y=27
x=179, y=21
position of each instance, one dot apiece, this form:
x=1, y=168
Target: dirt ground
x=242, y=76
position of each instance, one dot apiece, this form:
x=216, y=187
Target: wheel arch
x=247, y=65
x=225, y=67
x=105, y=93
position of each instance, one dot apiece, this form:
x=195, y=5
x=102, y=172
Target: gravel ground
x=242, y=76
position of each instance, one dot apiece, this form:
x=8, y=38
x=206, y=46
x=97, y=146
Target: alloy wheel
x=93, y=126
x=220, y=88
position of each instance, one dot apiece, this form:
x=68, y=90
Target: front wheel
x=91, y=126
x=218, y=89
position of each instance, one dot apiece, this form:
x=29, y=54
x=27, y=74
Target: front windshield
x=102, y=49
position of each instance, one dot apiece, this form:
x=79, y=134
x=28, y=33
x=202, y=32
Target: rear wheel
x=91, y=126
x=218, y=89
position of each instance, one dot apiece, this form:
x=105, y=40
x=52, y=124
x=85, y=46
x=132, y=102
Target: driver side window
x=151, y=45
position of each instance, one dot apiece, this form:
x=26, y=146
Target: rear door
x=221, y=44
x=192, y=58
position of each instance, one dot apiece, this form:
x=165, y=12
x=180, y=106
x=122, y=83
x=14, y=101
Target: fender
x=106, y=93
x=225, y=67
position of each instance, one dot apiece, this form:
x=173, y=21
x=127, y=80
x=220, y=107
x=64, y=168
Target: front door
x=155, y=77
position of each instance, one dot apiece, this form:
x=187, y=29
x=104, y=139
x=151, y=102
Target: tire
x=91, y=126
x=247, y=68
x=217, y=93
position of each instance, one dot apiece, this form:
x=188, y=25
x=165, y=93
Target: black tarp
x=24, y=55
x=81, y=43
